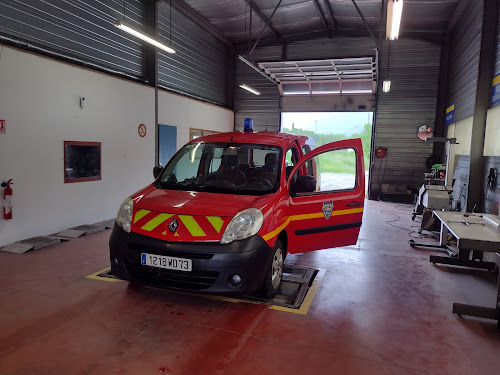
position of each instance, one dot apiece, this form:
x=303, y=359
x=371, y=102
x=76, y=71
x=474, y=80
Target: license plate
x=167, y=262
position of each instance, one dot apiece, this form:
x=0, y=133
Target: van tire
x=274, y=273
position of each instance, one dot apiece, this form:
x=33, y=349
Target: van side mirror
x=157, y=170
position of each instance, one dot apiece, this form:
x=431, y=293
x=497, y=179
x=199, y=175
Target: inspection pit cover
x=297, y=281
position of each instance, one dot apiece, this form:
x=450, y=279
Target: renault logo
x=173, y=225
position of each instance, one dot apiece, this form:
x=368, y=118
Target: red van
x=227, y=209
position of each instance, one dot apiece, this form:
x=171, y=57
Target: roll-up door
x=326, y=85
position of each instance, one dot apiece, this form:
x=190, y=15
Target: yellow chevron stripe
x=315, y=215
x=152, y=224
x=192, y=226
x=216, y=222
x=140, y=214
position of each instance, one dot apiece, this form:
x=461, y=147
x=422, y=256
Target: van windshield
x=227, y=168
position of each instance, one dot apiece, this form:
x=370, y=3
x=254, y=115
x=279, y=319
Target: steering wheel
x=265, y=183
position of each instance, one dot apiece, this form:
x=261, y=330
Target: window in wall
x=82, y=161
x=195, y=133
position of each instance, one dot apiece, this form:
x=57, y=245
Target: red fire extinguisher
x=7, y=200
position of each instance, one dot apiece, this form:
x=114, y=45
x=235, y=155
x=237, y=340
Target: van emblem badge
x=327, y=209
x=173, y=225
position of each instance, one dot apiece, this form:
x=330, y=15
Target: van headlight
x=124, y=216
x=245, y=224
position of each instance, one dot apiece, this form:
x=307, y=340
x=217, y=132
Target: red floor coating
x=381, y=308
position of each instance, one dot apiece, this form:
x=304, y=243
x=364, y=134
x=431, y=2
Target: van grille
x=170, y=253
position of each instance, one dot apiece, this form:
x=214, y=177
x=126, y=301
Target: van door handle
x=355, y=204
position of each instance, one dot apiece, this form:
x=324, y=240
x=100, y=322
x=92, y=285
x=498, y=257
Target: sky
x=327, y=122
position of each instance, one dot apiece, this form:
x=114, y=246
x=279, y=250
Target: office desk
x=472, y=241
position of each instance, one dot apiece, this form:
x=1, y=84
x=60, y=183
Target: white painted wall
x=492, y=137
x=175, y=110
x=39, y=99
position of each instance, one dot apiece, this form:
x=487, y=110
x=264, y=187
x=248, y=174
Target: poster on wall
x=495, y=91
x=167, y=143
x=450, y=115
x=82, y=161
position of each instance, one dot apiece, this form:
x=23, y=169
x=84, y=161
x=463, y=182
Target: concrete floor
x=381, y=308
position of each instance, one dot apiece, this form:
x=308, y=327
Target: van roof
x=264, y=137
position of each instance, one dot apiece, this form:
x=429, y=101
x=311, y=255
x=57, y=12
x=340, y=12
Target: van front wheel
x=274, y=273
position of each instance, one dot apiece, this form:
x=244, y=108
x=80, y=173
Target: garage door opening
x=326, y=127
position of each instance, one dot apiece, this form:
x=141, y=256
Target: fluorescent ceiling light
x=144, y=37
x=386, y=87
x=248, y=88
x=394, y=13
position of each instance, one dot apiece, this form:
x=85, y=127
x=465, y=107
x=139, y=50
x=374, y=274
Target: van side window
x=291, y=159
x=309, y=164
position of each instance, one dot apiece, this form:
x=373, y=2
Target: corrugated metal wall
x=414, y=73
x=83, y=30
x=200, y=65
x=497, y=59
x=264, y=109
x=325, y=48
x=463, y=60
x=86, y=32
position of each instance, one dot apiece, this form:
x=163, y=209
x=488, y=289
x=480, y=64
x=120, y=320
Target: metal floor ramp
x=81, y=230
x=33, y=243
x=40, y=242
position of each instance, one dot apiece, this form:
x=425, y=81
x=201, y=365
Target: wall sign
x=450, y=115
x=495, y=91
x=142, y=130
x=2, y=127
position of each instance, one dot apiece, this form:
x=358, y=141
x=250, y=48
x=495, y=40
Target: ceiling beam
x=265, y=26
x=432, y=36
x=456, y=14
x=321, y=15
x=330, y=13
x=366, y=23
x=201, y=21
x=263, y=17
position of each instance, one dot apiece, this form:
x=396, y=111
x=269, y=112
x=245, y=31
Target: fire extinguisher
x=7, y=200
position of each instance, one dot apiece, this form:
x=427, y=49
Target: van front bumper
x=213, y=264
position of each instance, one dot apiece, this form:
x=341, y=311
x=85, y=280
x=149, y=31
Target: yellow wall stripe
x=496, y=80
x=315, y=215
x=152, y=224
x=216, y=222
x=140, y=214
x=450, y=108
x=192, y=226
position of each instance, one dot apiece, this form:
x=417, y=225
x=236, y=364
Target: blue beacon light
x=248, y=125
